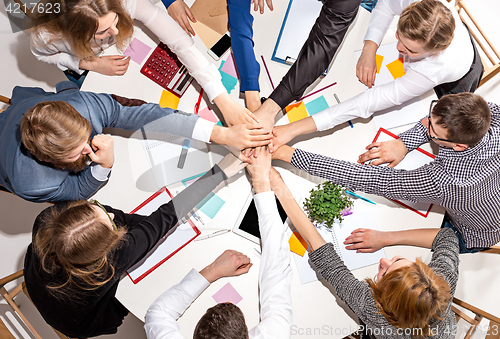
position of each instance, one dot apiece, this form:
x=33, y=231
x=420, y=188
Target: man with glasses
x=463, y=178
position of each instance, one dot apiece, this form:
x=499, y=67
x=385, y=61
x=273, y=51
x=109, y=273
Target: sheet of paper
x=229, y=66
x=296, y=112
x=137, y=51
x=297, y=244
x=211, y=205
x=317, y=105
x=169, y=100
x=379, y=59
x=228, y=80
x=154, y=204
x=396, y=68
x=385, y=55
x=227, y=293
x=409, y=112
x=207, y=35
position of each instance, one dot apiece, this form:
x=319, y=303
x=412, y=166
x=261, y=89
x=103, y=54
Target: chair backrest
x=491, y=327
x=491, y=58
x=9, y=298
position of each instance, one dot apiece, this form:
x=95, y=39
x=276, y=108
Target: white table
x=315, y=304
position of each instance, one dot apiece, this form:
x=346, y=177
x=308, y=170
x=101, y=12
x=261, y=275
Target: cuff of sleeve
x=194, y=283
x=301, y=159
x=203, y=130
x=374, y=35
x=322, y=120
x=214, y=88
x=265, y=203
x=100, y=173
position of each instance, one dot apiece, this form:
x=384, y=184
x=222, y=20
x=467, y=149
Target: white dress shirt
x=275, y=277
x=58, y=51
x=421, y=74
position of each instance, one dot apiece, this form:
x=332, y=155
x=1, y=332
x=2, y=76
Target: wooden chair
x=491, y=327
x=9, y=296
x=493, y=250
x=5, y=100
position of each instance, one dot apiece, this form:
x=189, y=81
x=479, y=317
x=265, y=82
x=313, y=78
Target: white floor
x=479, y=273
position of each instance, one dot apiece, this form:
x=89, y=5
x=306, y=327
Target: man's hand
x=103, y=154
x=107, y=65
x=282, y=135
x=392, y=152
x=366, y=68
x=181, y=13
x=260, y=4
x=366, y=240
x=228, y=264
x=259, y=170
x=242, y=136
x=231, y=165
x=234, y=113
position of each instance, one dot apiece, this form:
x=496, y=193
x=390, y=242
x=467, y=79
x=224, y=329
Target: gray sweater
x=357, y=294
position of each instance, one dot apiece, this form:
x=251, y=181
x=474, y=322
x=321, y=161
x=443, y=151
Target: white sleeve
x=50, y=54
x=377, y=98
x=203, y=130
x=99, y=173
x=162, y=315
x=275, y=275
x=382, y=16
x=169, y=32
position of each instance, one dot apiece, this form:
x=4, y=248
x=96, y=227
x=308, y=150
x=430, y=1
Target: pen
x=267, y=71
x=203, y=237
x=338, y=102
x=197, y=105
x=256, y=250
x=359, y=196
x=319, y=90
x=184, y=152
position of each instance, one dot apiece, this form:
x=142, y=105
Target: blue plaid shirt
x=466, y=183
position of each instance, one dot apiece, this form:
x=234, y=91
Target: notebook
x=413, y=160
x=169, y=245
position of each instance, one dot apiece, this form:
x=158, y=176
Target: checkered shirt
x=466, y=183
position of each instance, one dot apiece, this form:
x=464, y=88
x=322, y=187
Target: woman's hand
x=181, y=13
x=365, y=240
x=107, y=65
x=233, y=113
x=366, y=68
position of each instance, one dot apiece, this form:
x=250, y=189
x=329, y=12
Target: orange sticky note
x=169, y=100
x=396, y=68
x=378, y=60
x=297, y=244
x=296, y=112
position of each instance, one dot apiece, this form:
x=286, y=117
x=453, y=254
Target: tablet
x=247, y=224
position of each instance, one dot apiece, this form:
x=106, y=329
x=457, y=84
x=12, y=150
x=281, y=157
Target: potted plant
x=328, y=203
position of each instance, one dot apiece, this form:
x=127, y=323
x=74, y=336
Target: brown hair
x=428, y=22
x=223, y=321
x=466, y=116
x=77, y=22
x=411, y=296
x=52, y=129
x=74, y=241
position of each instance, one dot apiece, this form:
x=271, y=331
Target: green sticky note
x=228, y=81
x=211, y=205
x=317, y=105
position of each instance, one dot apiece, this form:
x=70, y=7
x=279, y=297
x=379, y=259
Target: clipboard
x=414, y=159
x=169, y=245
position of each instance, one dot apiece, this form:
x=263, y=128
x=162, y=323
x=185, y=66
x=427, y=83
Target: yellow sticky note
x=378, y=60
x=296, y=112
x=396, y=68
x=297, y=244
x=169, y=100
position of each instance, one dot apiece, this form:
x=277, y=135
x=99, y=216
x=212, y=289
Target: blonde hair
x=428, y=22
x=74, y=241
x=52, y=129
x=411, y=296
x=78, y=22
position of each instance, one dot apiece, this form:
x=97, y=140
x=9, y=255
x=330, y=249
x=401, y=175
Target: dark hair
x=466, y=116
x=428, y=22
x=74, y=242
x=223, y=321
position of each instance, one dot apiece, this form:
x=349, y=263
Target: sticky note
x=188, y=181
x=297, y=244
x=169, y=100
x=137, y=51
x=296, y=112
x=229, y=66
x=396, y=68
x=378, y=60
x=228, y=80
x=211, y=205
x=209, y=115
x=317, y=105
x=227, y=293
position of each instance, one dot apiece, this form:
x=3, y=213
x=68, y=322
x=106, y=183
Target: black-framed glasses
x=433, y=102
x=97, y=203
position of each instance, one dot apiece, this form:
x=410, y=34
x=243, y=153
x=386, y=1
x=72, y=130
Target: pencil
x=267, y=71
x=319, y=90
x=338, y=101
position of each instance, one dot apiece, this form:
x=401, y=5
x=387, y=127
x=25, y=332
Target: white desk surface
x=315, y=304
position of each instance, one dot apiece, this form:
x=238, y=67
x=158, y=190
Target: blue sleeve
x=167, y=3
x=240, y=23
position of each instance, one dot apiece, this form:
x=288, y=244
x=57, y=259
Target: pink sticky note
x=207, y=114
x=227, y=293
x=137, y=50
x=229, y=66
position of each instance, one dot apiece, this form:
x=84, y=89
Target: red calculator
x=164, y=68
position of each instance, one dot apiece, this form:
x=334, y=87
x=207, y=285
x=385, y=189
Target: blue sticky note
x=228, y=81
x=317, y=105
x=211, y=205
